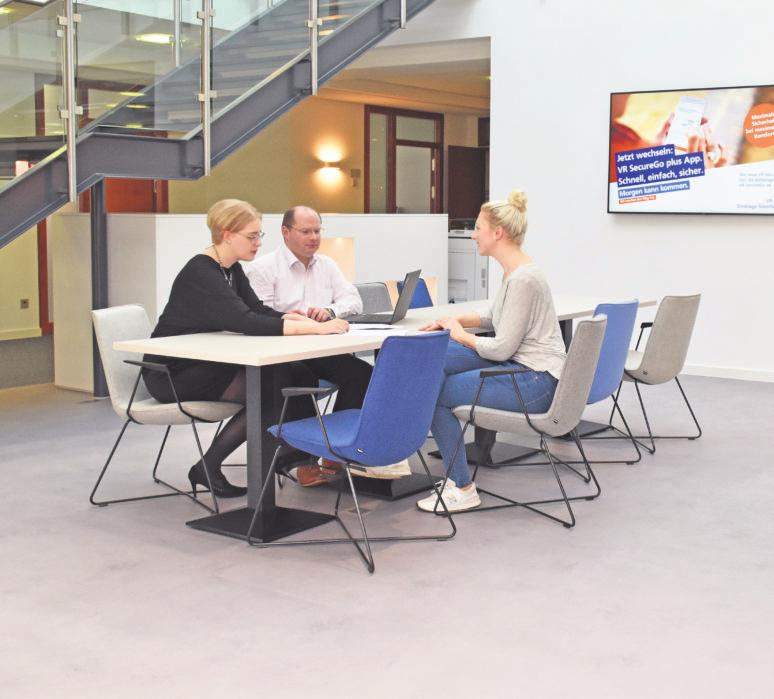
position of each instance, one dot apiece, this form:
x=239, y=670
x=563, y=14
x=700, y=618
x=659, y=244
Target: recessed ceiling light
x=137, y=106
x=135, y=126
x=155, y=38
x=5, y=10
x=129, y=93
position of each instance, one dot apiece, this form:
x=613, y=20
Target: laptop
x=401, y=306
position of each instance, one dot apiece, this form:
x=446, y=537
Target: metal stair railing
x=283, y=53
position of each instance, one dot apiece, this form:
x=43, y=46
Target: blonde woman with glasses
x=211, y=293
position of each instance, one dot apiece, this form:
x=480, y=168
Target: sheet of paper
x=376, y=329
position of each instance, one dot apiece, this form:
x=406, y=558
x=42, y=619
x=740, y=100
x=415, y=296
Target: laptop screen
x=406, y=295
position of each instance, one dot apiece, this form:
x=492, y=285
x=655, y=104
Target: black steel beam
x=99, y=275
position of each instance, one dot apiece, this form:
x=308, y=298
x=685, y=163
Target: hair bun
x=518, y=199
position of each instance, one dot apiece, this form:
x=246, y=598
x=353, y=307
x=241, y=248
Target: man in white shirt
x=295, y=279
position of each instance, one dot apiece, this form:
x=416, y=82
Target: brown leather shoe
x=312, y=475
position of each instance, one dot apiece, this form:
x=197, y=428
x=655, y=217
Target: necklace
x=228, y=277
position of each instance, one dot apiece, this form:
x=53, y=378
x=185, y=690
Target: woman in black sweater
x=212, y=293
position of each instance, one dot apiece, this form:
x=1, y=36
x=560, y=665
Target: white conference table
x=257, y=355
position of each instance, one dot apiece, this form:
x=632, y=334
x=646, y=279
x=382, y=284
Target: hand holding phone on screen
x=686, y=122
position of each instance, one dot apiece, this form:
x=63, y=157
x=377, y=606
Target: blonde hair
x=511, y=214
x=230, y=215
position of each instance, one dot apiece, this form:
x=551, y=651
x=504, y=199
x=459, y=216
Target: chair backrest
x=375, y=296
x=421, y=297
x=615, y=348
x=670, y=336
x=399, y=404
x=574, y=385
x=121, y=323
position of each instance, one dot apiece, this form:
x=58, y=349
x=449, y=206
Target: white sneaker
x=456, y=499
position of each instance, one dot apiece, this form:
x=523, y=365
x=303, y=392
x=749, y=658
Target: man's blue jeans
x=459, y=388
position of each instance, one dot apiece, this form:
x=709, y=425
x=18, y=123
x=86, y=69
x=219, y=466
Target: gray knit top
x=526, y=328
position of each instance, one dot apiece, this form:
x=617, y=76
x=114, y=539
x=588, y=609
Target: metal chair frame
x=192, y=495
x=650, y=436
x=361, y=544
x=588, y=477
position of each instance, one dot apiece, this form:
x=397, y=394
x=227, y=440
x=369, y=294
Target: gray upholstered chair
x=375, y=296
x=561, y=418
x=131, y=400
x=664, y=355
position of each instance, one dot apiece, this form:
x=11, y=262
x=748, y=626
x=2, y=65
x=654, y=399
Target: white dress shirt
x=282, y=282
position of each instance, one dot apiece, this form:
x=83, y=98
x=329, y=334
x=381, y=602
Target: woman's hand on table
x=451, y=324
x=337, y=326
x=432, y=325
x=294, y=315
x=456, y=331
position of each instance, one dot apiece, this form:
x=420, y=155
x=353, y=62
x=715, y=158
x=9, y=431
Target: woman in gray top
x=526, y=336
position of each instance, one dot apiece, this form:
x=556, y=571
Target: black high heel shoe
x=221, y=488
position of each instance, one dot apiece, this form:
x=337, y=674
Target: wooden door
x=467, y=172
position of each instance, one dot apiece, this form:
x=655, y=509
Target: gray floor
x=663, y=589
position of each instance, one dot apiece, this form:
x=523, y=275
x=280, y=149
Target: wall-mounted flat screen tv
x=708, y=151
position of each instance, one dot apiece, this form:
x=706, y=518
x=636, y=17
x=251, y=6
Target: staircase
x=259, y=71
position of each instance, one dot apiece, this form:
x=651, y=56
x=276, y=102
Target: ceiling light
x=129, y=93
x=154, y=38
x=137, y=106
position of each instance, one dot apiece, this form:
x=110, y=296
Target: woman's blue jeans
x=459, y=388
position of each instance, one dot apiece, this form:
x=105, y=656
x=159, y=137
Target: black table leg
x=274, y=522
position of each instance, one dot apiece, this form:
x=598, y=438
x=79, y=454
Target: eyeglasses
x=309, y=232
x=253, y=238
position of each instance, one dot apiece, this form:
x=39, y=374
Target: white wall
x=554, y=63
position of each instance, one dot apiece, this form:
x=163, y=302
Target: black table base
x=392, y=488
x=274, y=524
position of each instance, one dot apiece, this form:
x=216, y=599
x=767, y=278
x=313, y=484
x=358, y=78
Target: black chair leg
x=690, y=410
x=652, y=437
x=176, y=491
x=363, y=550
x=366, y=555
x=158, y=456
x=531, y=505
x=620, y=434
x=215, y=509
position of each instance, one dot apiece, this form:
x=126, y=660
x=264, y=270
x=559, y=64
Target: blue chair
x=392, y=424
x=421, y=297
x=612, y=360
x=608, y=374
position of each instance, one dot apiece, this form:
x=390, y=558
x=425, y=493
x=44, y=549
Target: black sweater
x=202, y=301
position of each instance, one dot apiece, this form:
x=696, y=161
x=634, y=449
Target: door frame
x=436, y=147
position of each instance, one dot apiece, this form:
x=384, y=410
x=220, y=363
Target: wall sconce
x=330, y=173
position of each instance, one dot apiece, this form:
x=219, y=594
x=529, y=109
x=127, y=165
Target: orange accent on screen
x=759, y=125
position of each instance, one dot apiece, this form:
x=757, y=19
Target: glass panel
x=377, y=168
x=124, y=62
x=414, y=129
x=269, y=36
x=335, y=15
x=30, y=73
x=413, y=180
